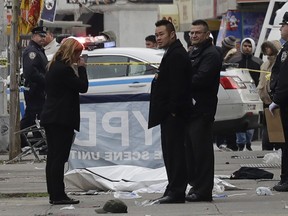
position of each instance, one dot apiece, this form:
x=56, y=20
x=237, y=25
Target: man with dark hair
x=206, y=66
x=170, y=104
x=245, y=59
x=150, y=41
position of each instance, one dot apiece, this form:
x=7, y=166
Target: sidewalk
x=29, y=177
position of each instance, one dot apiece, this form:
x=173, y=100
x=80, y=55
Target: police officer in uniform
x=34, y=68
x=279, y=92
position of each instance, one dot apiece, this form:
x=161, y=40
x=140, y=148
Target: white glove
x=273, y=106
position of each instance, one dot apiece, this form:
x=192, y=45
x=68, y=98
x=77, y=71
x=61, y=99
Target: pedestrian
x=279, y=92
x=227, y=140
x=51, y=45
x=170, y=103
x=245, y=59
x=270, y=49
x=65, y=79
x=150, y=42
x=34, y=69
x=206, y=63
x=228, y=47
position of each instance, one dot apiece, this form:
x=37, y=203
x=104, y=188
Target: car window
x=140, y=69
x=117, y=67
x=106, y=71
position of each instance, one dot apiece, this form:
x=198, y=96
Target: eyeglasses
x=196, y=33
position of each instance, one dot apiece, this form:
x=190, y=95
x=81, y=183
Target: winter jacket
x=248, y=61
x=264, y=83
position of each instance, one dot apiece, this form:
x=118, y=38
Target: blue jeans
x=243, y=138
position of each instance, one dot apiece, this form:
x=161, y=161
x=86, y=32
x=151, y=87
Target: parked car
x=131, y=70
x=238, y=106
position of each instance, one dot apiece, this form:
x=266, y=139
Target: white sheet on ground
x=126, y=178
x=118, y=178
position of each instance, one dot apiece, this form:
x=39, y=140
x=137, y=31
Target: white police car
x=113, y=71
x=130, y=71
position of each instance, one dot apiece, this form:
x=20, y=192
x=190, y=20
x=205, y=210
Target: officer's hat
x=285, y=19
x=41, y=30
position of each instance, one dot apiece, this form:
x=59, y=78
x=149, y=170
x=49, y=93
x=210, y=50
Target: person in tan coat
x=270, y=49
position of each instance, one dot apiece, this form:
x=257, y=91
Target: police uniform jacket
x=279, y=78
x=170, y=88
x=62, y=88
x=34, y=69
x=206, y=66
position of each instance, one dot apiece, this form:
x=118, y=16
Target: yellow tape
x=257, y=71
x=122, y=63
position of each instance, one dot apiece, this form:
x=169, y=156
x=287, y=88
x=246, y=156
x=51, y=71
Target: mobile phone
x=85, y=57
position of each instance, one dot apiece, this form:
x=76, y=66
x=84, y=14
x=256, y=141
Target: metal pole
x=14, y=139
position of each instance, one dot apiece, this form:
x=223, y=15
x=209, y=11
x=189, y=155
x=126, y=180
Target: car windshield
x=109, y=66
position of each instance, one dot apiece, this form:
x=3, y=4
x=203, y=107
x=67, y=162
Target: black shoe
x=241, y=148
x=197, y=198
x=65, y=201
x=281, y=187
x=249, y=148
x=169, y=199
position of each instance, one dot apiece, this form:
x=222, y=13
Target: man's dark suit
x=169, y=107
x=206, y=65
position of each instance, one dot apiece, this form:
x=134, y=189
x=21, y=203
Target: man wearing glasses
x=206, y=66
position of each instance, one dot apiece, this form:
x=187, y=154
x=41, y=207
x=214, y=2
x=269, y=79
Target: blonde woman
x=65, y=79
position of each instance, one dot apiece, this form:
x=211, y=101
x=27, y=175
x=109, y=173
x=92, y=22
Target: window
x=106, y=71
x=117, y=67
x=141, y=69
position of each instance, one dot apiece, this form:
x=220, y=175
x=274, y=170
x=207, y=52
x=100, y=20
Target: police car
x=119, y=70
x=131, y=70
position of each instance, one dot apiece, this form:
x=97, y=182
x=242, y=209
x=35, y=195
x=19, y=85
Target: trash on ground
x=239, y=194
x=71, y=207
x=126, y=195
x=219, y=195
x=263, y=191
x=147, y=203
x=273, y=158
x=227, y=185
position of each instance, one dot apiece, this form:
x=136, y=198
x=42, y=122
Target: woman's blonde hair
x=67, y=51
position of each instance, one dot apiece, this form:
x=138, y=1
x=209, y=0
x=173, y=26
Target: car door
x=117, y=74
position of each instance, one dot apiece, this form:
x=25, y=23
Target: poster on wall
x=240, y=25
x=231, y=25
x=252, y=24
x=49, y=10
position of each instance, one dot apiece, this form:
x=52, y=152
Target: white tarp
x=128, y=178
x=118, y=178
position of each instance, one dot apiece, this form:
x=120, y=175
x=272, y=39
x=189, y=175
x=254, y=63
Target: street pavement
x=28, y=177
